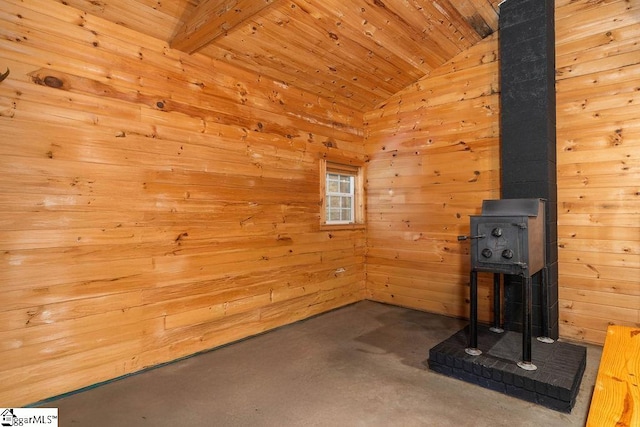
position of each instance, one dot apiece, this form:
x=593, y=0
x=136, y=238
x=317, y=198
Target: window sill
x=324, y=227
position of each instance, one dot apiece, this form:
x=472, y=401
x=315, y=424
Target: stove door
x=501, y=247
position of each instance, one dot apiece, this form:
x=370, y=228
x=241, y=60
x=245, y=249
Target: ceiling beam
x=213, y=19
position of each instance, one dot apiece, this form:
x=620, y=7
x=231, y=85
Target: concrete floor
x=361, y=365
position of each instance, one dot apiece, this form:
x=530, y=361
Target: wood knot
x=53, y=82
x=50, y=81
x=181, y=236
x=328, y=144
x=4, y=75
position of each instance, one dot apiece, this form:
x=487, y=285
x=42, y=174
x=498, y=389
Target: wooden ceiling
x=353, y=52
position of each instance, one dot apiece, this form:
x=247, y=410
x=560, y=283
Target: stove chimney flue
x=528, y=134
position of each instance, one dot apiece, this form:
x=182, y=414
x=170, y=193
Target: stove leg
x=544, y=307
x=496, y=305
x=527, y=304
x=472, y=349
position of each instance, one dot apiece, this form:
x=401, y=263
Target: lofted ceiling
x=353, y=52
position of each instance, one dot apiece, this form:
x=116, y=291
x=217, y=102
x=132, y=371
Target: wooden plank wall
x=598, y=137
x=153, y=204
x=434, y=156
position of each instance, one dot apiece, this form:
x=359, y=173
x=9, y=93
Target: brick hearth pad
x=554, y=384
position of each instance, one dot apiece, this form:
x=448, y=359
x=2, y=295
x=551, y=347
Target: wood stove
x=508, y=238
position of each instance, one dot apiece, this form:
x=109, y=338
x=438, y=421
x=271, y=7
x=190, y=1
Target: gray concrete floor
x=361, y=365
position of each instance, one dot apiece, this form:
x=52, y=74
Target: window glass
x=340, y=196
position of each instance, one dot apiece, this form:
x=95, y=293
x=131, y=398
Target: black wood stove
x=508, y=238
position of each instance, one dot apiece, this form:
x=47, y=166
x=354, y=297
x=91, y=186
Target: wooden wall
x=153, y=204
x=598, y=137
x=434, y=156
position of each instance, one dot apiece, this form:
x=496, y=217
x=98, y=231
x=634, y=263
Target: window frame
x=343, y=167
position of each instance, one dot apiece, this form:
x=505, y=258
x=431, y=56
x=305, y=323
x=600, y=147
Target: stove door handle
x=479, y=236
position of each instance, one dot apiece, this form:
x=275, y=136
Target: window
x=343, y=194
x=340, y=198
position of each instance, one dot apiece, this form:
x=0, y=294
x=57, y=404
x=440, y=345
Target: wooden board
x=151, y=208
x=616, y=396
x=434, y=152
x=175, y=197
x=598, y=155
